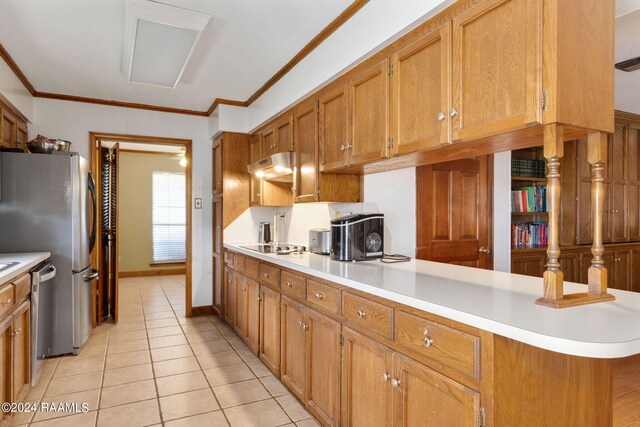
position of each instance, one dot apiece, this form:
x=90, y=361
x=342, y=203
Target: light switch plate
x=198, y=203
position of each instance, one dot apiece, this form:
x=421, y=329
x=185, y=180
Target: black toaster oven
x=357, y=237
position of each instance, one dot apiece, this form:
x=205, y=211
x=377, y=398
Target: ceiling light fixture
x=632, y=64
x=158, y=41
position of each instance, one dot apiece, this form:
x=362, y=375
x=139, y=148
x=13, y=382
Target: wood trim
x=16, y=70
x=202, y=310
x=624, y=115
x=166, y=264
x=150, y=273
x=310, y=47
x=112, y=103
x=122, y=150
x=222, y=101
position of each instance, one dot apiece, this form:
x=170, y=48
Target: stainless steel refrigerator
x=48, y=204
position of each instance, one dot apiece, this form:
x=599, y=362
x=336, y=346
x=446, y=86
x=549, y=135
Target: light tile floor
x=157, y=367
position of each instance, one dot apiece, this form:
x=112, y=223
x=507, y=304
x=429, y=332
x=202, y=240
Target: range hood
x=277, y=167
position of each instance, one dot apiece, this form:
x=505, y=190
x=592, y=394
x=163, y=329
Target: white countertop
x=26, y=262
x=497, y=302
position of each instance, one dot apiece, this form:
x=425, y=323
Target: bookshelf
x=529, y=216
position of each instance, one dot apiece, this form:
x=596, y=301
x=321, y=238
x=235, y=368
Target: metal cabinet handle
x=427, y=342
x=349, y=146
x=361, y=313
x=486, y=250
x=259, y=298
x=266, y=275
x=385, y=376
x=289, y=284
x=395, y=383
x=318, y=295
x=453, y=112
x=244, y=289
x=615, y=211
x=617, y=259
x=18, y=332
x=7, y=301
x=441, y=116
x=303, y=326
x=342, y=147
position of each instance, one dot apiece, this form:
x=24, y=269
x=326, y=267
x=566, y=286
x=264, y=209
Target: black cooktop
x=279, y=249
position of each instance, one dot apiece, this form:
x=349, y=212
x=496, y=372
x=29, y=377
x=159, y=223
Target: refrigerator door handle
x=94, y=209
x=93, y=276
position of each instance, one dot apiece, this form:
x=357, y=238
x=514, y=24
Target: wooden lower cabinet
x=270, y=329
x=366, y=381
x=6, y=351
x=21, y=350
x=253, y=315
x=228, y=294
x=293, y=343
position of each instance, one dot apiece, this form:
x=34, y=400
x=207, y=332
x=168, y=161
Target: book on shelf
x=529, y=234
x=527, y=168
x=529, y=199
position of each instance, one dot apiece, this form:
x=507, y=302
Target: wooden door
x=6, y=361
x=268, y=141
x=419, y=96
x=496, y=68
x=284, y=135
x=369, y=110
x=367, y=368
x=115, y=203
x=333, y=128
x=253, y=315
x=255, y=148
x=305, y=131
x=618, y=184
x=228, y=296
x=240, y=306
x=633, y=181
x=423, y=397
x=216, y=161
x=622, y=259
x=270, y=329
x=294, y=347
x=323, y=367
x=454, y=212
x=21, y=350
x=530, y=264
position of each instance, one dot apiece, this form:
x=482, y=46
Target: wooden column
x=553, y=281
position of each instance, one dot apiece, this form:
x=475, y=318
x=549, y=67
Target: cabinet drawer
x=446, y=346
x=22, y=287
x=367, y=314
x=228, y=258
x=238, y=262
x=251, y=268
x=323, y=296
x=292, y=285
x=6, y=300
x=269, y=275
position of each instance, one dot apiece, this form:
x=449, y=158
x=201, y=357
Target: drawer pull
x=427, y=342
x=7, y=301
x=385, y=376
x=361, y=314
x=303, y=326
x=318, y=295
x=18, y=332
x=289, y=284
x=441, y=116
x=395, y=383
x=266, y=275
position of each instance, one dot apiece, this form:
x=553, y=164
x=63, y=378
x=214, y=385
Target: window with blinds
x=169, y=217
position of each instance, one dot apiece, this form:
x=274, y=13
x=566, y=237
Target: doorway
x=454, y=212
x=165, y=238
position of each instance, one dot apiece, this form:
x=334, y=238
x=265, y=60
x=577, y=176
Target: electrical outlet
x=198, y=203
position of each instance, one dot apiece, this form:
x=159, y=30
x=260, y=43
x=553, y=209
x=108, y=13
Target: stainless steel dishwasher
x=41, y=316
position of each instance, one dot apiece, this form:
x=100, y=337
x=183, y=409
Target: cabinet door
x=218, y=285
x=333, y=128
x=294, y=347
x=419, y=96
x=366, y=381
x=369, y=98
x=22, y=136
x=447, y=402
x=270, y=329
x=305, y=132
x=253, y=314
x=528, y=264
x=570, y=266
x=229, y=291
x=323, y=380
x=6, y=356
x=622, y=270
x=255, y=148
x=268, y=141
x=496, y=68
x=217, y=226
x=256, y=191
x=284, y=135
x=618, y=184
x=633, y=182
x=21, y=350
x=9, y=129
x=635, y=271
x=241, y=300
x=217, y=166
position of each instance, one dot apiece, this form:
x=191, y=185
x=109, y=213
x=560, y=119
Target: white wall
x=12, y=89
x=502, y=211
x=73, y=121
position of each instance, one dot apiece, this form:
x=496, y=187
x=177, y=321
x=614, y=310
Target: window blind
x=169, y=216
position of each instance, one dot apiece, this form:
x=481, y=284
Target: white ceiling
x=627, y=47
x=73, y=47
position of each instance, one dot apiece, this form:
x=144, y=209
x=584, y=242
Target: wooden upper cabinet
x=496, y=68
x=22, y=137
x=268, y=141
x=255, y=148
x=284, y=134
x=449, y=403
x=217, y=166
x=369, y=121
x=9, y=129
x=333, y=128
x=305, y=136
x=420, y=93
